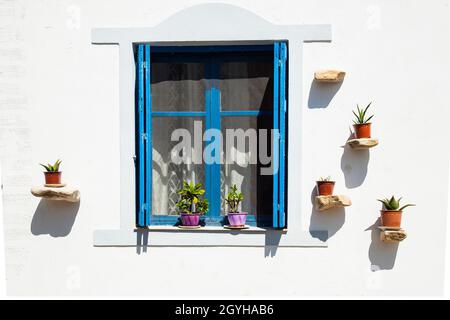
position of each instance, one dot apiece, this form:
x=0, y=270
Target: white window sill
x=169, y=236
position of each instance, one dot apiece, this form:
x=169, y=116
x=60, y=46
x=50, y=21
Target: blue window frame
x=209, y=99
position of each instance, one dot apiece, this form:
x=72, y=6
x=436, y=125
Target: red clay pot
x=391, y=218
x=362, y=130
x=53, y=177
x=325, y=188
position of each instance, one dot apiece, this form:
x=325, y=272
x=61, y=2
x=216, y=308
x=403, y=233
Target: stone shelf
x=328, y=202
x=362, y=144
x=61, y=194
x=331, y=76
x=392, y=235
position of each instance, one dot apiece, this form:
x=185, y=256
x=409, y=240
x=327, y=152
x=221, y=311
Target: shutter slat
x=275, y=135
x=141, y=151
x=148, y=141
x=283, y=110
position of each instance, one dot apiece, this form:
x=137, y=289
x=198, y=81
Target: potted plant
x=236, y=218
x=361, y=123
x=52, y=174
x=391, y=214
x=191, y=203
x=325, y=186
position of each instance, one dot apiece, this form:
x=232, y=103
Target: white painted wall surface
x=2, y=244
x=59, y=98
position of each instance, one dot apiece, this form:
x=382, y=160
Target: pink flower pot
x=192, y=219
x=237, y=219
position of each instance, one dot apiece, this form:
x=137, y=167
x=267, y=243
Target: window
x=211, y=93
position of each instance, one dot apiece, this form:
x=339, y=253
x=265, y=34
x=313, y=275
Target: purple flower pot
x=237, y=219
x=191, y=219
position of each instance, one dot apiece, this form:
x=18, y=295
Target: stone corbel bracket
x=328, y=202
x=60, y=194
x=362, y=144
x=389, y=235
x=331, y=76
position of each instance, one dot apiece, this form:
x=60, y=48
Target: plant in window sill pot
x=191, y=204
x=361, y=125
x=236, y=218
x=391, y=214
x=325, y=186
x=52, y=173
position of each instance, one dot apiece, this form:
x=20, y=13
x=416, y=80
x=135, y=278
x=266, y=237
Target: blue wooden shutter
x=279, y=141
x=283, y=108
x=275, y=144
x=148, y=140
x=144, y=136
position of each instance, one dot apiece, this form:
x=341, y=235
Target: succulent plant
x=325, y=179
x=360, y=115
x=52, y=168
x=393, y=204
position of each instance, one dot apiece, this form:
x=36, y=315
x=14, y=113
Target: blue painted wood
x=275, y=149
x=283, y=107
x=208, y=124
x=215, y=196
x=213, y=116
x=178, y=113
x=223, y=48
x=162, y=220
x=148, y=141
x=141, y=136
x=245, y=113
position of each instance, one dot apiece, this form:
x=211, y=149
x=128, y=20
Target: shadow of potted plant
x=391, y=214
x=191, y=204
x=52, y=174
x=236, y=218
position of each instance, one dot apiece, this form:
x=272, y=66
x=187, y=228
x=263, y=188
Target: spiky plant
x=52, y=168
x=360, y=115
x=325, y=179
x=393, y=204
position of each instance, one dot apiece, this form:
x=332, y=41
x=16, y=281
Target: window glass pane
x=246, y=85
x=167, y=176
x=178, y=86
x=243, y=171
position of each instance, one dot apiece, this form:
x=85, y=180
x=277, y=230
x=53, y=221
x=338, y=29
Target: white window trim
x=169, y=32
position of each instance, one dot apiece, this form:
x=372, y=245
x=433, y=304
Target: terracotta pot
x=325, y=188
x=53, y=177
x=190, y=219
x=391, y=218
x=362, y=130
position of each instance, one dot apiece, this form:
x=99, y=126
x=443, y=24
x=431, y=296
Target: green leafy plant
x=325, y=178
x=360, y=115
x=234, y=198
x=393, y=204
x=52, y=168
x=190, y=198
x=202, y=206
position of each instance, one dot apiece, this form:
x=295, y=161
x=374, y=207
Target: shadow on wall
x=381, y=255
x=332, y=220
x=273, y=238
x=354, y=165
x=54, y=218
x=141, y=241
x=321, y=94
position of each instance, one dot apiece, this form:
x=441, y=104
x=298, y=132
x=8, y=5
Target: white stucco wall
x=59, y=98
